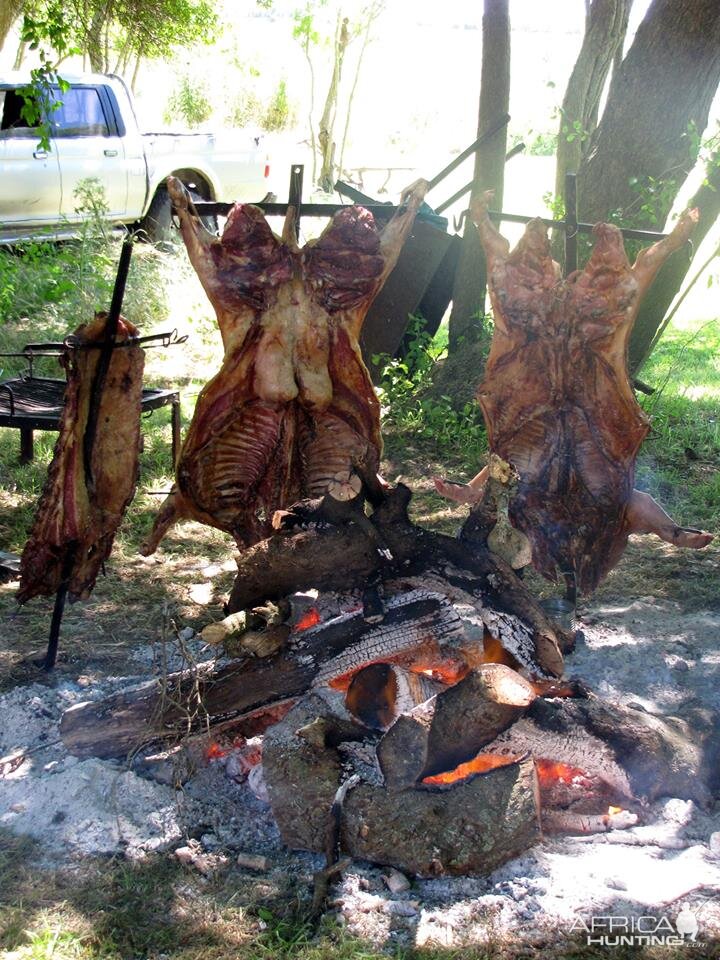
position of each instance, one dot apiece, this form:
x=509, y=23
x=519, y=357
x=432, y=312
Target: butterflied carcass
x=557, y=399
x=293, y=406
x=84, y=499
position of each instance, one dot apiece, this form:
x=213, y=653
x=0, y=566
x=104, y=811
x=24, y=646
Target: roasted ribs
x=293, y=405
x=81, y=506
x=557, y=400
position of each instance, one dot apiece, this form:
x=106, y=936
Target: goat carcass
x=557, y=399
x=83, y=503
x=293, y=406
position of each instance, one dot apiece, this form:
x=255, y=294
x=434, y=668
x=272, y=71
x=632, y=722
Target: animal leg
x=645, y=515
x=170, y=512
x=470, y=492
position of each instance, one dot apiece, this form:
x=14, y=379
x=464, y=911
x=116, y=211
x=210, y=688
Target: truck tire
x=157, y=223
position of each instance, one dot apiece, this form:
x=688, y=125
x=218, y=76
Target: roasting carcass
x=293, y=406
x=557, y=400
x=82, y=504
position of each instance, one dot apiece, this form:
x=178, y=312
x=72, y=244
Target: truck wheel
x=157, y=223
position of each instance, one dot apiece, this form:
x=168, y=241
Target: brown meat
x=557, y=400
x=293, y=405
x=75, y=526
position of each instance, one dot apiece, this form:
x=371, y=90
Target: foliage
x=413, y=413
x=189, y=102
x=279, y=114
x=41, y=29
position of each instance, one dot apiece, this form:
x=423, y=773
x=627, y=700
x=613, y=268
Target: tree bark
x=10, y=10
x=326, y=128
x=657, y=108
x=649, y=322
x=468, y=339
x=605, y=28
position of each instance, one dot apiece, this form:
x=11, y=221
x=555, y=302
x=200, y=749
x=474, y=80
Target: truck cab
x=95, y=135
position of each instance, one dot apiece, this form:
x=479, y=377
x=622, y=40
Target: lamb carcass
x=82, y=504
x=293, y=405
x=557, y=400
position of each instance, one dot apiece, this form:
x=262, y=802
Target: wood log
x=639, y=755
x=452, y=727
x=469, y=828
x=244, y=688
x=381, y=693
x=338, y=557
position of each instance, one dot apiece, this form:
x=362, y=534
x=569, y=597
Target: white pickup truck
x=95, y=134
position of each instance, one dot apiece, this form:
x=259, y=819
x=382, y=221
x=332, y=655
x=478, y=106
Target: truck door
x=29, y=177
x=86, y=135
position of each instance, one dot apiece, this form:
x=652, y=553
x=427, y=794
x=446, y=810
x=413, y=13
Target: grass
x=110, y=909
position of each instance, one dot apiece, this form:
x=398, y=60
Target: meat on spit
x=82, y=504
x=557, y=400
x=292, y=407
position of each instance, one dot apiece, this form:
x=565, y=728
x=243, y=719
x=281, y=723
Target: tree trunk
x=469, y=341
x=372, y=14
x=10, y=10
x=95, y=41
x=649, y=323
x=327, y=120
x=605, y=28
x=648, y=138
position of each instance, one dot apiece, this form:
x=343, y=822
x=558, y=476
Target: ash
x=647, y=652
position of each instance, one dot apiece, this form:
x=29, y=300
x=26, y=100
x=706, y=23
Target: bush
x=189, y=102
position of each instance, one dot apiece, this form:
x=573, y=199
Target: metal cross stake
x=101, y=371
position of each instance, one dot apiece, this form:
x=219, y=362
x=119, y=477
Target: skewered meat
x=293, y=406
x=557, y=400
x=80, y=510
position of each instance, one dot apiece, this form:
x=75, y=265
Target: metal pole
x=518, y=148
x=485, y=135
x=58, y=610
x=103, y=364
x=295, y=193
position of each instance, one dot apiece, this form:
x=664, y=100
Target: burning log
x=563, y=821
x=340, y=556
x=453, y=726
x=380, y=694
x=469, y=828
x=416, y=625
x=638, y=755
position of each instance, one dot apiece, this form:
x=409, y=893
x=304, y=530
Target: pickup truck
x=95, y=134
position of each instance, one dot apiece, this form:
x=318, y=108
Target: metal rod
x=59, y=609
x=571, y=224
x=518, y=148
x=381, y=210
x=485, y=135
x=295, y=192
x=103, y=364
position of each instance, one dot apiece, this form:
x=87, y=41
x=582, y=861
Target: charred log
x=340, y=556
x=470, y=828
x=415, y=625
x=452, y=727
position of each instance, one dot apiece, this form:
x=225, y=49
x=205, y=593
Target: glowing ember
x=613, y=810
x=550, y=772
x=309, y=619
x=215, y=752
x=480, y=764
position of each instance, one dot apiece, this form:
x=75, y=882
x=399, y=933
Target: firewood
x=564, y=821
x=469, y=828
x=451, y=728
x=241, y=689
x=639, y=755
x=215, y=634
x=382, y=692
x=340, y=557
